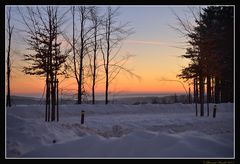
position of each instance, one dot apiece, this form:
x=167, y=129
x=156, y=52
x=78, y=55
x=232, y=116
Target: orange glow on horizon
x=154, y=50
x=31, y=85
x=149, y=71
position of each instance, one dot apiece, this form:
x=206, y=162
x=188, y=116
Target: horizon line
x=102, y=93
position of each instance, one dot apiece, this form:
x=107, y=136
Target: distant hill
x=22, y=100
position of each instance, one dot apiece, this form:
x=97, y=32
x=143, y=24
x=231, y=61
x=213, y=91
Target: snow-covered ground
x=115, y=130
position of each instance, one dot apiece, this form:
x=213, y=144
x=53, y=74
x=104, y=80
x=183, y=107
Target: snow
x=118, y=130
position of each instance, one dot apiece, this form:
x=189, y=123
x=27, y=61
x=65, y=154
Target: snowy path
x=149, y=130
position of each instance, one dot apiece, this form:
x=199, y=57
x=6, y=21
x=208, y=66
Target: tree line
x=92, y=49
x=211, y=51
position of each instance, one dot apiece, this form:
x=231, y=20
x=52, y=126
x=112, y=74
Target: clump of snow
x=118, y=130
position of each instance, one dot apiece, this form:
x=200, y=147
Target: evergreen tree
x=211, y=54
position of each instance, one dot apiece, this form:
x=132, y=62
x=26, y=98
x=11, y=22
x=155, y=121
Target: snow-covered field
x=115, y=130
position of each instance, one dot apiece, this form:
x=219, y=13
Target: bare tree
x=74, y=43
x=9, y=31
x=84, y=32
x=82, y=44
x=88, y=43
x=96, y=22
x=79, y=46
x=114, y=34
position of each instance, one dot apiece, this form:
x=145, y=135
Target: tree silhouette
x=9, y=31
x=114, y=34
x=210, y=54
x=46, y=58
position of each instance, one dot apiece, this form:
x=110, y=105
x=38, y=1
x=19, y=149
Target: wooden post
x=57, y=104
x=82, y=117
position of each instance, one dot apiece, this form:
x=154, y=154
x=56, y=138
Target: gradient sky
x=154, y=46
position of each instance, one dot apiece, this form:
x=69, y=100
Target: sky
x=155, y=46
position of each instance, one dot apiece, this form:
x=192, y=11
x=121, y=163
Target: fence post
x=82, y=116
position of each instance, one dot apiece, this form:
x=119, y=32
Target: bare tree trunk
x=57, y=103
x=48, y=88
x=208, y=93
x=94, y=64
x=48, y=98
x=80, y=83
x=46, y=106
x=55, y=94
x=201, y=84
x=195, y=94
x=93, y=87
x=46, y=102
x=10, y=30
x=107, y=81
x=51, y=64
x=106, y=91
x=79, y=93
x=8, y=76
x=53, y=97
x=108, y=53
x=81, y=58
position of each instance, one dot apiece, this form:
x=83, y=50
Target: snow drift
x=115, y=130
